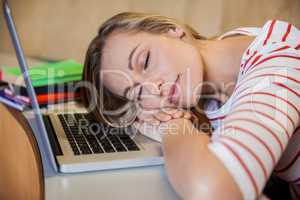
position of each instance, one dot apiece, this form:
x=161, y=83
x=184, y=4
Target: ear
x=176, y=32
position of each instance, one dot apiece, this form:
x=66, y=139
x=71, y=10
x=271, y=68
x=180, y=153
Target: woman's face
x=159, y=70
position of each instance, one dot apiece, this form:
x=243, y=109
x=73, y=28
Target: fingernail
x=178, y=114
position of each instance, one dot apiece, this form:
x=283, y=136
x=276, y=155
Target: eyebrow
x=130, y=57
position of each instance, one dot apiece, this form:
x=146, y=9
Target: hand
x=155, y=117
x=153, y=123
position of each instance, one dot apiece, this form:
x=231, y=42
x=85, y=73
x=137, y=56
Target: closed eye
x=147, y=61
x=140, y=93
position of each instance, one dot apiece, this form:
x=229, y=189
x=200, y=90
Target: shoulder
x=278, y=31
x=277, y=41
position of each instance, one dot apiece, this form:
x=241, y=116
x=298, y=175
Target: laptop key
x=96, y=147
x=133, y=148
x=78, y=116
x=90, y=140
x=108, y=148
x=86, y=151
x=76, y=152
x=120, y=148
x=98, y=150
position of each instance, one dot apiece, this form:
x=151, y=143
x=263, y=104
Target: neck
x=221, y=60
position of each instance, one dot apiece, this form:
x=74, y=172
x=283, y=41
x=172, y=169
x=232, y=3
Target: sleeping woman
x=153, y=70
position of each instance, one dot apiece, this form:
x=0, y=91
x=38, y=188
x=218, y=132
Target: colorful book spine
x=12, y=102
x=46, y=74
x=43, y=99
x=64, y=87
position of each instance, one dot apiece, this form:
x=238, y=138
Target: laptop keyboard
x=86, y=136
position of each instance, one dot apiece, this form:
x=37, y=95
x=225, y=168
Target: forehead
x=117, y=49
x=119, y=45
x=115, y=59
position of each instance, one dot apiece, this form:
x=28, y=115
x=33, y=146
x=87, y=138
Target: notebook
x=45, y=74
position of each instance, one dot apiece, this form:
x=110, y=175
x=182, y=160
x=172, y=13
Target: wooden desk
x=20, y=168
x=20, y=164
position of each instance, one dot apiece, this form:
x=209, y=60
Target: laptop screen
x=48, y=159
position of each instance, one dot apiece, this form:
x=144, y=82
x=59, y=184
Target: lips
x=173, y=95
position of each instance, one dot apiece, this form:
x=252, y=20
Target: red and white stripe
x=259, y=130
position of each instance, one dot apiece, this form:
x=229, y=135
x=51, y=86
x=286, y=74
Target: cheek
x=192, y=82
x=186, y=58
x=117, y=81
x=196, y=80
x=193, y=71
x=169, y=56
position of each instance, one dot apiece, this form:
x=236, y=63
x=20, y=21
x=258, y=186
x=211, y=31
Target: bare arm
x=192, y=169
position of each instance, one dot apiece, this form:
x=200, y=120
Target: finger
x=163, y=117
x=146, y=115
x=178, y=114
x=170, y=111
x=187, y=115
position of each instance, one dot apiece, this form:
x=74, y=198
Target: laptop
x=74, y=141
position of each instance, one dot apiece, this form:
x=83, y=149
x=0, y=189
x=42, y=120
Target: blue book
x=11, y=101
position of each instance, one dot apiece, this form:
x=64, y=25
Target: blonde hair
x=123, y=22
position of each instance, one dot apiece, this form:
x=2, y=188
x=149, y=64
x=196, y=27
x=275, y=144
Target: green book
x=45, y=74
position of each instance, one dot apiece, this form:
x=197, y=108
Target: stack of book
x=52, y=82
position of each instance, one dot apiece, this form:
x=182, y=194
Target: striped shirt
x=257, y=130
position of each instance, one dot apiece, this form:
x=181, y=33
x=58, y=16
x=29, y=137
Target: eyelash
x=145, y=67
x=139, y=94
x=147, y=60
